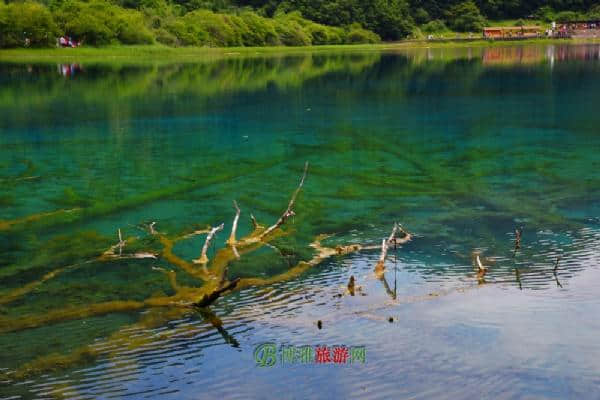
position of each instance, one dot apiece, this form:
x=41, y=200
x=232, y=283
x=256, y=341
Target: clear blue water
x=462, y=146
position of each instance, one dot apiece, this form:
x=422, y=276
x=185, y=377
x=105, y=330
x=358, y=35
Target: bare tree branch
x=407, y=236
x=289, y=212
x=151, y=227
x=518, y=233
x=254, y=223
x=480, y=266
x=235, y=251
x=385, y=245
x=232, y=240
x=121, y=242
x=111, y=253
x=192, y=234
x=481, y=271
x=203, y=258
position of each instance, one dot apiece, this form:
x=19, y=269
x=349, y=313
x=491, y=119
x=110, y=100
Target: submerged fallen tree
x=213, y=273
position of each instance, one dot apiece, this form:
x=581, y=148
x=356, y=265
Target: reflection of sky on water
x=491, y=341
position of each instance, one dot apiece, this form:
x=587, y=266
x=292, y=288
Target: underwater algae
x=213, y=273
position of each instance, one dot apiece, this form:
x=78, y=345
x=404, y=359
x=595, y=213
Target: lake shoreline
x=157, y=52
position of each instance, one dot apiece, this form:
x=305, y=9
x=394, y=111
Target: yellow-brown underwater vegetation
x=206, y=279
x=212, y=273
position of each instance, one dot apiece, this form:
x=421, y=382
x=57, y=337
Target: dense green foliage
x=100, y=22
x=465, y=17
x=262, y=22
x=393, y=19
x=30, y=20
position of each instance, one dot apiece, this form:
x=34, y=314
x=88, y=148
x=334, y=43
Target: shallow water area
x=460, y=146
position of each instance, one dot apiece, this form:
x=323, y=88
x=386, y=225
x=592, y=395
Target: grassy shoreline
x=171, y=54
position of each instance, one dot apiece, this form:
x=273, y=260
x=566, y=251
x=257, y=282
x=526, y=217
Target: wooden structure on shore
x=512, y=32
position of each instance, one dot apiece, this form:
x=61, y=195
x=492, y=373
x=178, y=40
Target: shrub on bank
x=186, y=33
x=99, y=23
x=26, y=24
x=290, y=33
x=357, y=34
x=435, y=26
x=165, y=37
x=215, y=30
x=131, y=29
x=260, y=31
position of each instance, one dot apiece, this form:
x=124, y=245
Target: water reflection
x=130, y=85
x=462, y=146
x=69, y=70
x=431, y=329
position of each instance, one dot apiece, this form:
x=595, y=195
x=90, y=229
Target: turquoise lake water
x=460, y=146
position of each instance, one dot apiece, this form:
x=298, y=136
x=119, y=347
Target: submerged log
x=216, y=282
